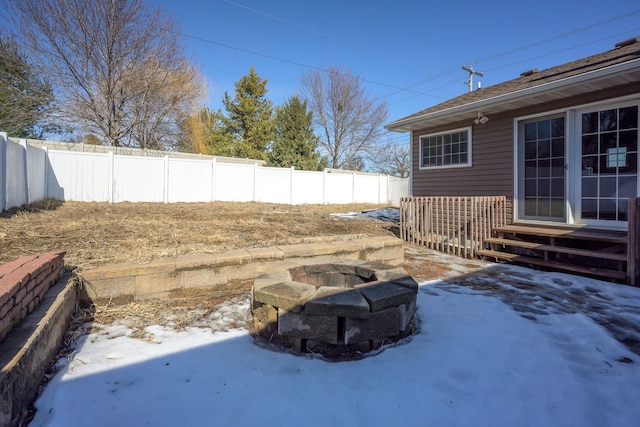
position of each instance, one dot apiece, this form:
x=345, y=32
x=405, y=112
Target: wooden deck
x=474, y=227
x=597, y=253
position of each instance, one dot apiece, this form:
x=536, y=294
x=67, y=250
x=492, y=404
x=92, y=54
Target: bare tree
x=348, y=121
x=117, y=66
x=393, y=159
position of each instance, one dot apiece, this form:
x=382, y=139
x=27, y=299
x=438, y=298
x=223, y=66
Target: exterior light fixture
x=482, y=119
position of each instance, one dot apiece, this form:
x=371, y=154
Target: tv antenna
x=471, y=72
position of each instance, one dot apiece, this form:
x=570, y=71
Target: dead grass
x=93, y=234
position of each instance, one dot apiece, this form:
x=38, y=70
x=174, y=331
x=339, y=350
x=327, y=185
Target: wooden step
x=600, y=272
x=567, y=233
x=558, y=249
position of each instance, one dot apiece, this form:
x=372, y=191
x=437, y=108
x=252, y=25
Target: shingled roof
x=534, y=82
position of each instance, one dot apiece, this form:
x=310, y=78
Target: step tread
x=601, y=272
x=559, y=249
x=567, y=233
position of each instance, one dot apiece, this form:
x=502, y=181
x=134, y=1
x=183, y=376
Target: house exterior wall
x=492, y=169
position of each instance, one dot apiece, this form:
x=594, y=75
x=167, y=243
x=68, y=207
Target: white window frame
x=448, y=132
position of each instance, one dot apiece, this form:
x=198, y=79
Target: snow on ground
x=498, y=346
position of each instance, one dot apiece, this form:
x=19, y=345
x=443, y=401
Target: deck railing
x=453, y=225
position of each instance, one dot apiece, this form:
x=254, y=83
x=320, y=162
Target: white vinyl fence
x=28, y=174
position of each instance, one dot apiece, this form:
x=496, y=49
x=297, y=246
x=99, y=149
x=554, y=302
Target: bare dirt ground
x=93, y=234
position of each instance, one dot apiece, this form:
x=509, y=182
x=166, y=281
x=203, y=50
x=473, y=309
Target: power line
x=560, y=36
x=320, y=33
x=300, y=64
x=525, y=47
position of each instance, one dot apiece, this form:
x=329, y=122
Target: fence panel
x=30, y=174
x=138, y=179
x=189, y=181
x=17, y=193
x=307, y=188
x=366, y=188
x=36, y=173
x=81, y=178
x=454, y=225
x=273, y=185
x=339, y=188
x=234, y=183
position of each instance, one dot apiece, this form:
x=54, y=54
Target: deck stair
x=595, y=253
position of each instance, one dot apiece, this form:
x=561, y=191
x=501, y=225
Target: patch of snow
x=493, y=350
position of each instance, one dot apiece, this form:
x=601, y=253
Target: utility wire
x=300, y=64
x=320, y=33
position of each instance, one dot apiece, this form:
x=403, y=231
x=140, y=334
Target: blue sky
x=418, y=46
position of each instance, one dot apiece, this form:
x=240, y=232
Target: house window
x=450, y=149
x=609, y=140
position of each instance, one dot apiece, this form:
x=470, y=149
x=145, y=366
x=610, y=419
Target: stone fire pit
x=338, y=309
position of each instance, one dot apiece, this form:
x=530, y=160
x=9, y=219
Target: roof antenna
x=471, y=72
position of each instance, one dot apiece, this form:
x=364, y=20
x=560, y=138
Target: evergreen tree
x=23, y=96
x=295, y=143
x=249, y=119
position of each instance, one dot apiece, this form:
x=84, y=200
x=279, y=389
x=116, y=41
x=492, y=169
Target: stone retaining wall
x=175, y=276
x=23, y=284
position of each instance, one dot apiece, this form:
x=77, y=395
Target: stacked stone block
x=340, y=309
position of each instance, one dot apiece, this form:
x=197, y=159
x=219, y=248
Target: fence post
x=353, y=187
x=213, y=179
x=291, y=186
x=110, y=176
x=25, y=157
x=324, y=187
x=166, y=180
x=255, y=181
x=3, y=171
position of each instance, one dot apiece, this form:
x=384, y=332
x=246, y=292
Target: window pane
x=531, y=169
x=623, y=209
x=557, y=127
x=589, y=123
x=557, y=147
x=530, y=206
x=544, y=187
x=463, y=158
x=590, y=166
x=589, y=208
x=544, y=168
x=590, y=144
x=629, y=139
x=530, y=150
x=608, y=187
x=544, y=148
x=557, y=187
x=631, y=166
x=530, y=188
x=463, y=136
x=608, y=120
x=544, y=129
x=557, y=167
x=607, y=141
x=628, y=187
x=605, y=169
x=530, y=132
x=607, y=209
x=557, y=208
x=589, y=187
x=629, y=117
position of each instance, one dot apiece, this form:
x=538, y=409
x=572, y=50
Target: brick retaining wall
x=23, y=284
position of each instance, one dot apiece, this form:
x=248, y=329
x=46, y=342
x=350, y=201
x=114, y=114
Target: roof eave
x=412, y=123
